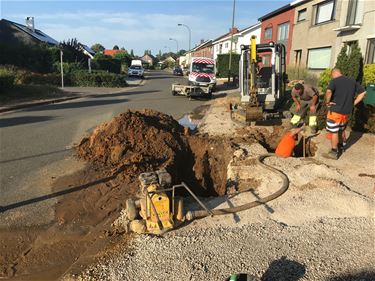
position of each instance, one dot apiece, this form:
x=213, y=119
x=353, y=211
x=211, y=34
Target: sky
x=137, y=24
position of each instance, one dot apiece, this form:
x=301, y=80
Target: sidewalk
x=71, y=93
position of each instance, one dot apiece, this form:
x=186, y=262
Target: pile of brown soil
x=144, y=141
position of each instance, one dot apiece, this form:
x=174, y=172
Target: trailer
x=192, y=91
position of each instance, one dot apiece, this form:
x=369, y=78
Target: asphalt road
x=35, y=143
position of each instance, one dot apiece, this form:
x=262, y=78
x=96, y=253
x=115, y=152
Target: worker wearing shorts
x=306, y=99
x=339, y=99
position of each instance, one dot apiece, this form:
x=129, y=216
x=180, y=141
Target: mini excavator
x=262, y=86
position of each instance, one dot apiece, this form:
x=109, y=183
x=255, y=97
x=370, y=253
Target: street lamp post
x=61, y=66
x=231, y=42
x=176, y=43
x=188, y=28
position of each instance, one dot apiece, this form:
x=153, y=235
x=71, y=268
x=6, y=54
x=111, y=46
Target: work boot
x=332, y=154
x=342, y=147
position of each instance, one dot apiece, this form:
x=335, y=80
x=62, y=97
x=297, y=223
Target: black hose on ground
x=284, y=187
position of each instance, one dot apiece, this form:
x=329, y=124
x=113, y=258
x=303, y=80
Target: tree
x=342, y=59
x=123, y=57
x=181, y=52
x=115, y=47
x=351, y=65
x=122, y=49
x=97, y=48
x=355, y=63
x=132, y=53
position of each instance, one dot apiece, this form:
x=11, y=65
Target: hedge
x=222, y=65
x=43, y=79
x=35, y=58
x=324, y=79
x=7, y=79
x=368, y=74
x=97, y=79
x=107, y=64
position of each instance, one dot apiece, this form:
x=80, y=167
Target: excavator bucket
x=254, y=113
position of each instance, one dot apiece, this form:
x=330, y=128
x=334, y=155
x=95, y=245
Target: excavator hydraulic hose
x=190, y=215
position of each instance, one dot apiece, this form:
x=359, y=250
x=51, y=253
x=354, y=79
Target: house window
x=298, y=56
x=301, y=15
x=283, y=32
x=266, y=60
x=268, y=33
x=226, y=45
x=319, y=58
x=370, y=51
x=325, y=11
x=355, y=12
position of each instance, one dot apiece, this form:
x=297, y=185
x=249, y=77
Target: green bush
x=125, y=58
x=222, y=65
x=368, y=74
x=42, y=79
x=96, y=79
x=324, y=79
x=38, y=58
x=68, y=67
x=107, y=64
x=7, y=78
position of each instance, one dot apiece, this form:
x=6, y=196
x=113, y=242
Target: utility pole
x=231, y=42
x=62, y=68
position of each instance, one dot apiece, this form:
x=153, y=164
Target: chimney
x=30, y=23
x=233, y=31
x=202, y=40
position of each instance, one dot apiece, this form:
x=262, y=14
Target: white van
x=136, y=62
x=202, y=72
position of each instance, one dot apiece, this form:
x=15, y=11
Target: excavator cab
x=262, y=87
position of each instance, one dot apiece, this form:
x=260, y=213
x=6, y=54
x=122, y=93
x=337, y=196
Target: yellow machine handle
x=253, y=58
x=253, y=44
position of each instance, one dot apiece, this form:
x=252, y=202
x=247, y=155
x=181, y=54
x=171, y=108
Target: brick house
x=204, y=49
x=277, y=26
x=112, y=53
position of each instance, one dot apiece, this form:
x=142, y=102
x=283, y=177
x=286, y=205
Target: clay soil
x=115, y=153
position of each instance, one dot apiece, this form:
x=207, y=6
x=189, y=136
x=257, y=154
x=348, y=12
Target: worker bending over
x=306, y=98
x=339, y=99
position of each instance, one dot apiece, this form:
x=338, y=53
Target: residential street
x=36, y=142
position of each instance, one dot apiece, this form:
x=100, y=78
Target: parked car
x=136, y=70
x=178, y=71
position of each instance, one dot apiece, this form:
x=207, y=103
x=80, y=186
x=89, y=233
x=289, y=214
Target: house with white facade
x=221, y=45
x=245, y=34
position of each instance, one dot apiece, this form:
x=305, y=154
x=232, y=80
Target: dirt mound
x=140, y=141
x=147, y=139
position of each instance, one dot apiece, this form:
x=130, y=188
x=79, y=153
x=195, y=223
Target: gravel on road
x=326, y=249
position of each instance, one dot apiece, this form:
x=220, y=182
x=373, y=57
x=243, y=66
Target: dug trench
x=116, y=153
